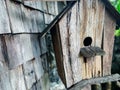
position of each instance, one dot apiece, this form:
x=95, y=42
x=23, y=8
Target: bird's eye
x=87, y=41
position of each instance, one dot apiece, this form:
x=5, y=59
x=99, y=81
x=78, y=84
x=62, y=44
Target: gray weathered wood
x=90, y=51
x=17, y=79
x=28, y=21
x=38, y=68
x=29, y=74
x=48, y=18
x=4, y=20
x=108, y=42
x=43, y=45
x=35, y=45
x=52, y=7
x=64, y=42
x=3, y=56
x=34, y=4
x=73, y=43
x=5, y=83
x=19, y=49
x=15, y=15
x=104, y=79
x=33, y=20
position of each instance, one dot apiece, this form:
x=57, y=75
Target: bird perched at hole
x=90, y=51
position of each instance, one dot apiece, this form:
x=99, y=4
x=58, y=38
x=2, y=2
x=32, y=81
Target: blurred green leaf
x=116, y=4
x=117, y=32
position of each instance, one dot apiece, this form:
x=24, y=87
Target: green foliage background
x=116, y=4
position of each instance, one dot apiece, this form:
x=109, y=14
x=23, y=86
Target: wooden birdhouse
x=89, y=26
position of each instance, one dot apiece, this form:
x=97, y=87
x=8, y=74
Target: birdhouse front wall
x=87, y=18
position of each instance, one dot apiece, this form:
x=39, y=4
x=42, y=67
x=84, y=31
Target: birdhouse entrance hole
x=87, y=41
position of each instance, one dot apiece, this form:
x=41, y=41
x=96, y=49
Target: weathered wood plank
x=64, y=42
x=15, y=15
x=99, y=21
x=52, y=8
x=85, y=19
x=43, y=45
x=28, y=21
x=29, y=74
x=5, y=83
x=108, y=42
x=19, y=49
x=35, y=45
x=3, y=56
x=74, y=43
x=48, y=18
x=38, y=68
x=4, y=20
x=17, y=79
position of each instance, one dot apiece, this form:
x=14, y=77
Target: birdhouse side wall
x=87, y=18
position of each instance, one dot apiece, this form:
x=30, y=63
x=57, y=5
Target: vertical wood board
x=64, y=42
x=35, y=45
x=108, y=42
x=4, y=19
x=74, y=43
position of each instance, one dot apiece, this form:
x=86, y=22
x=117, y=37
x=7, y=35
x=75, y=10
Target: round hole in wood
x=87, y=41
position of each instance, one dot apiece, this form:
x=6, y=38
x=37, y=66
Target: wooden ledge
x=109, y=78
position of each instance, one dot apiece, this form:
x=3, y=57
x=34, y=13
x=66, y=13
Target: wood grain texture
x=85, y=19
x=109, y=27
x=29, y=74
x=15, y=15
x=48, y=18
x=28, y=21
x=4, y=19
x=5, y=83
x=17, y=79
x=34, y=4
x=39, y=71
x=73, y=32
x=19, y=49
x=35, y=45
x=64, y=42
x=99, y=21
